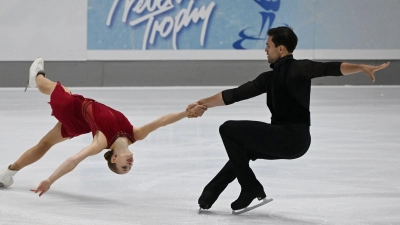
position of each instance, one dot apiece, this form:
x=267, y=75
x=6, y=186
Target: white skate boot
x=6, y=177
x=37, y=66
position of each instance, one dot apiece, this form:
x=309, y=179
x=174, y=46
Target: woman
x=78, y=115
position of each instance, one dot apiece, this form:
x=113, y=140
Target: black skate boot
x=207, y=199
x=245, y=198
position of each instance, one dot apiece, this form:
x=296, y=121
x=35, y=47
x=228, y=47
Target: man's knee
x=227, y=126
x=296, y=155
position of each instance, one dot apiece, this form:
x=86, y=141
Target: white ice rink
x=350, y=175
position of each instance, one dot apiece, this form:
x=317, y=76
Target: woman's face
x=123, y=161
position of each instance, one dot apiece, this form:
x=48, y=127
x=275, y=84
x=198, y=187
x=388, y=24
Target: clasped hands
x=195, y=110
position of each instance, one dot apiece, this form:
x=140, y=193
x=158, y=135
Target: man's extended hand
x=370, y=70
x=195, y=110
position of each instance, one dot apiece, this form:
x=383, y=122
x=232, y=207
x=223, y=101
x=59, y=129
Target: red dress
x=79, y=115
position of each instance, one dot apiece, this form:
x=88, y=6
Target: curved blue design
x=265, y=16
x=238, y=43
x=269, y=4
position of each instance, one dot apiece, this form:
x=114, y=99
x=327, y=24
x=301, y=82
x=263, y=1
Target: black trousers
x=251, y=140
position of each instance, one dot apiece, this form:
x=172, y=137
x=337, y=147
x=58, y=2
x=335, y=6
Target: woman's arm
x=141, y=133
x=97, y=146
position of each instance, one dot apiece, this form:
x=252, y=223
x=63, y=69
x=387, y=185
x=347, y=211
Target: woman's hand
x=43, y=187
x=195, y=110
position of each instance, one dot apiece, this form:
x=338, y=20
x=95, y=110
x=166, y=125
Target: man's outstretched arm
x=348, y=68
x=212, y=101
x=245, y=91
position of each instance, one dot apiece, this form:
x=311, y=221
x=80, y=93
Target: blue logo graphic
x=267, y=17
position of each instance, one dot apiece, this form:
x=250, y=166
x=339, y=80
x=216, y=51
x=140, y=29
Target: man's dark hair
x=112, y=166
x=283, y=36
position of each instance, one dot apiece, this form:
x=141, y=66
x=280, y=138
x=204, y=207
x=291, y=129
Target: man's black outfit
x=288, y=88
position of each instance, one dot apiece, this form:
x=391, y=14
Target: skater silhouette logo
x=267, y=20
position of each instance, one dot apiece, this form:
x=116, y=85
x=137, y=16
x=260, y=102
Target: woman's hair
x=283, y=36
x=112, y=166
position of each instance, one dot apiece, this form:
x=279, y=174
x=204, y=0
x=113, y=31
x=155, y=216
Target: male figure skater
x=288, y=88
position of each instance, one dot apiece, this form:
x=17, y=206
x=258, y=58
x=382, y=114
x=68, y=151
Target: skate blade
x=26, y=86
x=264, y=201
x=203, y=211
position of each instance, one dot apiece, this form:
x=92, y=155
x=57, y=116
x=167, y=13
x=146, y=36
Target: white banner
x=53, y=30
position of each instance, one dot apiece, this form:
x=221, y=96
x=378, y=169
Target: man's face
x=272, y=51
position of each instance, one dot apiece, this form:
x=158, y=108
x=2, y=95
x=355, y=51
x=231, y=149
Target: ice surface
x=350, y=174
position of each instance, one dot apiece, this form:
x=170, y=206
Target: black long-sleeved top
x=288, y=88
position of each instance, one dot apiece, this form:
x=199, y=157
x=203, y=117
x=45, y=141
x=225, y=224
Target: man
x=288, y=88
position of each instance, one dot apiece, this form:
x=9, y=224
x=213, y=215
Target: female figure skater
x=79, y=115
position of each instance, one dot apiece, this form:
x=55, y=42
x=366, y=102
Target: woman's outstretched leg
x=36, y=152
x=37, y=78
x=46, y=86
x=32, y=155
